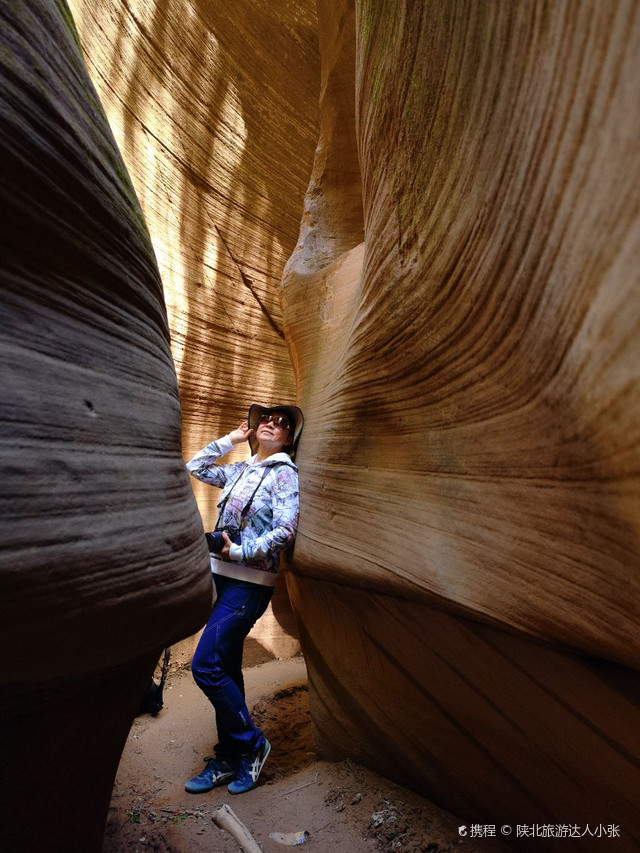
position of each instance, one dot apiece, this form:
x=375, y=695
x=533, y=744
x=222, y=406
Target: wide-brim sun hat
x=293, y=413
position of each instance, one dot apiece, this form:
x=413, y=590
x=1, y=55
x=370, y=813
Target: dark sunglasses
x=277, y=420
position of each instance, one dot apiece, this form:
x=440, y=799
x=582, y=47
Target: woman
x=257, y=518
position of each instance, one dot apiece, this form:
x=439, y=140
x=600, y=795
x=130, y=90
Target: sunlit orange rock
x=214, y=107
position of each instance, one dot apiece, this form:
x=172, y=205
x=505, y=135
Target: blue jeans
x=217, y=662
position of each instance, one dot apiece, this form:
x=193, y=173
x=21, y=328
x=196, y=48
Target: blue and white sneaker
x=217, y=771
x=249, y=768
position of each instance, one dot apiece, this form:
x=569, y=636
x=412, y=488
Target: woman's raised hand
x=243, y=433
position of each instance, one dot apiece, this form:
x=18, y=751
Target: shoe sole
x=256, y=771
x=219, y=781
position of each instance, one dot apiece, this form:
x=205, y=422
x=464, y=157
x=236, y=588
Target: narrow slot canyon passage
x=419, y=223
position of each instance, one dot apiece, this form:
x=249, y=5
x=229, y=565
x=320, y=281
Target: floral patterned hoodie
x=271, y=522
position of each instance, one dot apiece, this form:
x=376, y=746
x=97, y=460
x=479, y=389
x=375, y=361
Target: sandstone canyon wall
x=461, y=314
x=214, y=107
x=103, y=560
x=463, y=310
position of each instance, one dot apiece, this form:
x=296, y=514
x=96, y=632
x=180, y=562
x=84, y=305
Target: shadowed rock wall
x=467, y=350
x=103, y=561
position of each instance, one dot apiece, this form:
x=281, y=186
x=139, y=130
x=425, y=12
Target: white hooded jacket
x=271, y=522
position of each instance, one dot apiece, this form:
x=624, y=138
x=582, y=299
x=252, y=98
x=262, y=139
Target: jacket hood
x=276, y=458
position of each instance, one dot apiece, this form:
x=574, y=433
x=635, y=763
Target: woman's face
x=274, y=435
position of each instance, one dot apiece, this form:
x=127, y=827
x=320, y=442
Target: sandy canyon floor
x=341, y=806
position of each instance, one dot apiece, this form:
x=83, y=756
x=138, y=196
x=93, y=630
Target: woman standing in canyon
x=257, y=519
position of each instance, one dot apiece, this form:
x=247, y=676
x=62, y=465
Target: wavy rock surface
x=103, y=561
x=462, y=315
x=468, y=351
x=214, y=107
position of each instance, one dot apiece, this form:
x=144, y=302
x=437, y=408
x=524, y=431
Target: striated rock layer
x=103, y=560
x=214, y=107
x=464, y=314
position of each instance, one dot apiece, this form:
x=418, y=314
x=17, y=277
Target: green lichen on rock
x=68, y=19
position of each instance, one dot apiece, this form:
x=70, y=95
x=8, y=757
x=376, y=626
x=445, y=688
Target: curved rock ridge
x=214, y=107
x=470, y=370
x=467, y=355
x=103, y=560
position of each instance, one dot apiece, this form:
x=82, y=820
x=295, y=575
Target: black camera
x=215, y=540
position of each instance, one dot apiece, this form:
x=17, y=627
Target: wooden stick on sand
x=226, y=819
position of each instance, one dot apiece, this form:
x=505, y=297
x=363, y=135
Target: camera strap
x=246, y=507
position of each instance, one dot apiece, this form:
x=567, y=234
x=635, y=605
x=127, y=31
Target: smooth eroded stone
x=470, y=369
x=468, y=355
x=103, y=561
x=214, y=107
